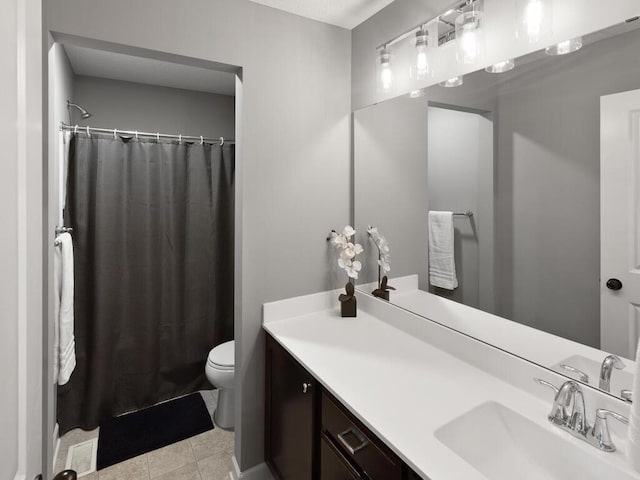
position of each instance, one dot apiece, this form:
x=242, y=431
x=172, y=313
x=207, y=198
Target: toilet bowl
x=220, y=372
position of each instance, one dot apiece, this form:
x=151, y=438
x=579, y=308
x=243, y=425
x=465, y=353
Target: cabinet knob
x=306, y=387
x=614, y=284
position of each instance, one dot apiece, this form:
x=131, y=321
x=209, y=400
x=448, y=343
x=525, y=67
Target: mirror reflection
x=493, y=198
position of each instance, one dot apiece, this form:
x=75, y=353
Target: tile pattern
x=204, y=457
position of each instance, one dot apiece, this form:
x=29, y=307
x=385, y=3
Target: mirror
x=533, y=171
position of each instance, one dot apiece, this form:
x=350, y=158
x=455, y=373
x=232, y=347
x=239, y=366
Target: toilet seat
x=222, y=357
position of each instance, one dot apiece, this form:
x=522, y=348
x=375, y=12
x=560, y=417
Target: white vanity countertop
x=404, y=389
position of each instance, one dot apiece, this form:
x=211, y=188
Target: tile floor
x=204, y=457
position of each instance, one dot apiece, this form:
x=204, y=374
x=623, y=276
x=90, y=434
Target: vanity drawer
x=357, y=443
x=333, y=465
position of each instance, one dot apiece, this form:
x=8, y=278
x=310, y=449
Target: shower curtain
x=153, y=229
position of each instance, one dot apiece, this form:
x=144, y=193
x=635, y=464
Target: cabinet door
x=289, y=416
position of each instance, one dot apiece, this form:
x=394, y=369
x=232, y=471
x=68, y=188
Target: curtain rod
x=115, y=131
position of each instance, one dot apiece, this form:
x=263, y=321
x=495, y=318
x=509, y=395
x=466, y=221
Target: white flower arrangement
x=384, y=257
x=349, y=250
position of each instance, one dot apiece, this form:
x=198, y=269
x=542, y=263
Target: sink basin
x=503, y=445
x=620, y=379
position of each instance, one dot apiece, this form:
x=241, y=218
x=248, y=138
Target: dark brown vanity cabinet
x=312, y=436
x=290, y=399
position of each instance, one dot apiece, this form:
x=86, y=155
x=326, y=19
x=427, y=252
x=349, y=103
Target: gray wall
x=390, y=162
x=8, y=237
x=150, y=108
x=549, y=187
x=60, y=89
x=456, y=171
x=294, y=147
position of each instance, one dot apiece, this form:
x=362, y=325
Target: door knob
x=614, y=284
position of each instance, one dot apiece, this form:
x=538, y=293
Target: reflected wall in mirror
x=542, y=156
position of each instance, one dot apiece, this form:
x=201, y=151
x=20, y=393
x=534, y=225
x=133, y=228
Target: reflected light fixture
x=469, y=36
x=422, y=61
x=501, y=67
x=386, y=75
x=535, y=19
x=416, y=93
x=452, y=82
x=563, y=48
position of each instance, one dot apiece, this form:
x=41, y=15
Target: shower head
x=83, y=111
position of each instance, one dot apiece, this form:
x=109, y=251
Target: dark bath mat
x=133, y=434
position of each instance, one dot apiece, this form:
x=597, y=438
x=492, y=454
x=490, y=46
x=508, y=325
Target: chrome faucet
x=609, y=363
x=570, y=395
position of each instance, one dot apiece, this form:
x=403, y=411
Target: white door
x=620, y=222
x=21, y=240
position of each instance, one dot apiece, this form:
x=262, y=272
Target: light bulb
x=422, y=61
x=386, y=74
x=469, y=35
x=533, y=18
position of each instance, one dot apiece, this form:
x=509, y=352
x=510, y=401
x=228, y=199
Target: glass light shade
x=452, y=82
x=501, y=67
x=469, y=37
x=535, y=19
x=386, y=74
x=421, y=67
x=563, y=48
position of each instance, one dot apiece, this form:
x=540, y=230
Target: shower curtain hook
x=115, y=133
x=158, y=136
x=88, y=134
x=75, y=129
x=136, y=135
x=180, y=139
x=221, y=141
x=201, y=140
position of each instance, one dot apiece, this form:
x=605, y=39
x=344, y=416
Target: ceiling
x=128, y=68
x=343, y=13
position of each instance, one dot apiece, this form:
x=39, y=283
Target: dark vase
x=348, y=304
x=383, y=289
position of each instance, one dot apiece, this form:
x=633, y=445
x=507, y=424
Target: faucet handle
x=583, y=377
x=558, y=414
x=599, y=435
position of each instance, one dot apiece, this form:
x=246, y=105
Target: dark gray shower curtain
x=153, y=248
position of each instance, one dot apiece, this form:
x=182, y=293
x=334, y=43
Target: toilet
x=220, y=371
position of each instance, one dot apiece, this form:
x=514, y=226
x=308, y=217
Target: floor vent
x=82, y=457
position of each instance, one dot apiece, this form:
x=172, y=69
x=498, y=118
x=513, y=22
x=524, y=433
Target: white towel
x=442, y=265
x=64, y=345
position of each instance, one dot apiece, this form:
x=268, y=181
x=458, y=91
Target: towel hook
x=201, y=140
x=221, y=141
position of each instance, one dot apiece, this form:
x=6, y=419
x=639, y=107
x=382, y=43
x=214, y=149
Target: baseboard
x=56, y=445
x=259, y=472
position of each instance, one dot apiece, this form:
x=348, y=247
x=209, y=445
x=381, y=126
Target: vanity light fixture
x=452, y=82
x=501, y=67
x=535, y=19
x=563, y=48
x=469, y=34
x=386, y=74
x=421, y=67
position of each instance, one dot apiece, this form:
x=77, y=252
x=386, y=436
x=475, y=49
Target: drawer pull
x=361, y=438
